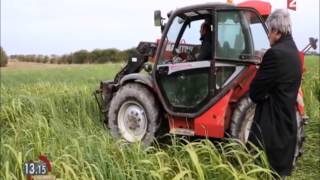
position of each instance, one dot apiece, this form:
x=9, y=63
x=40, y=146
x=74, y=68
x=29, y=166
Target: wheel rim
x=132, y=121
x=246, y=128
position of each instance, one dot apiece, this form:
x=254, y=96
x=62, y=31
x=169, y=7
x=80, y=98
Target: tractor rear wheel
x=300, y=138
x=242, y=120
x=134, y=114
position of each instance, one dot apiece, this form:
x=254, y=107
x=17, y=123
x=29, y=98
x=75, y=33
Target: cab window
x=258, y=33
x=241, y=35
x=184, y=42
x=233, y=38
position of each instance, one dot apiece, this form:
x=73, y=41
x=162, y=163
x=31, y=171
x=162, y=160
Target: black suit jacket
x=274, y=90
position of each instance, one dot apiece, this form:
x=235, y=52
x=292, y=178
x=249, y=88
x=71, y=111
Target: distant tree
x=113, y=54
x=97, y=55
x=32, y=58
x=53, y=60
x=45, y=59
x=130, y=52
x=38, y=58
x=69, y=59
x=66, y=59
x=121, y=56
x=104, y=55
x=3, y=58
x=80, y=57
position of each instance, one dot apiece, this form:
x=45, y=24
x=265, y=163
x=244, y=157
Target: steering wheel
x=191, y=56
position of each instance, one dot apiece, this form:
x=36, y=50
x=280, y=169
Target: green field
x=52, y=111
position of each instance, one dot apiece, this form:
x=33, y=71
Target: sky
x=65, y=26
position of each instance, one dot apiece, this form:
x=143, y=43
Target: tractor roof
x=264, y=8
x=200, y=9
x=209, y=5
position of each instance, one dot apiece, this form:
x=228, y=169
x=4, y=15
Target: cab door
x=241, y=41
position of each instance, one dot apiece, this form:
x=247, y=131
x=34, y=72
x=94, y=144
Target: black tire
x=134, y=114
x=242, y=119
x=300, y=138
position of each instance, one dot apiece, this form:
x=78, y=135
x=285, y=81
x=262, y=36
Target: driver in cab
x=202, y=52
x=206, y=42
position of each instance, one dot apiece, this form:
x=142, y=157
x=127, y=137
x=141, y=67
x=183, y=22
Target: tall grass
x=308, y=166
x=52, y=111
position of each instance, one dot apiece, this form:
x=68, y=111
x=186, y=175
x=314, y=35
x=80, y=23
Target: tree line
x=3, y=58
x=79, y=57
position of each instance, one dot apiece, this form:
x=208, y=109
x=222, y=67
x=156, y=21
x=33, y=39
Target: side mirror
x=313, y=42
x=157, y=18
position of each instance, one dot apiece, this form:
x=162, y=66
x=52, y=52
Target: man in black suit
x=274, y=90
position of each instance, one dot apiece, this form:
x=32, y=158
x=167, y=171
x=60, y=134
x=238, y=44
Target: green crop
x=52, y=111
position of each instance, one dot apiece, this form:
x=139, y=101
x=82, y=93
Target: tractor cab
x=195, y=66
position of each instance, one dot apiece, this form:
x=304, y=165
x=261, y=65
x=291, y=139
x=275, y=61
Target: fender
x=211, y=123
x=300, y=103
x=142, y=78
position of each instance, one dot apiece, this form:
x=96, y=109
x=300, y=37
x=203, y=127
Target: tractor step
x=181, y=131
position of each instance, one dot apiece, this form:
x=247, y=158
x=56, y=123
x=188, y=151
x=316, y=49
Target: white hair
x=279, y=20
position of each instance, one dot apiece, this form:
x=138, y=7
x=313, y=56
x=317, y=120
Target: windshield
x=171, y=38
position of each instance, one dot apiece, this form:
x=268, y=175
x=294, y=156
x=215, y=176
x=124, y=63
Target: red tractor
x=186, y=95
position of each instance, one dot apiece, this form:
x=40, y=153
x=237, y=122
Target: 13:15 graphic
x=35, y=168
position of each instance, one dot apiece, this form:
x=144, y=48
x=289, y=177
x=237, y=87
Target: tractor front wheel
x=134, y=114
